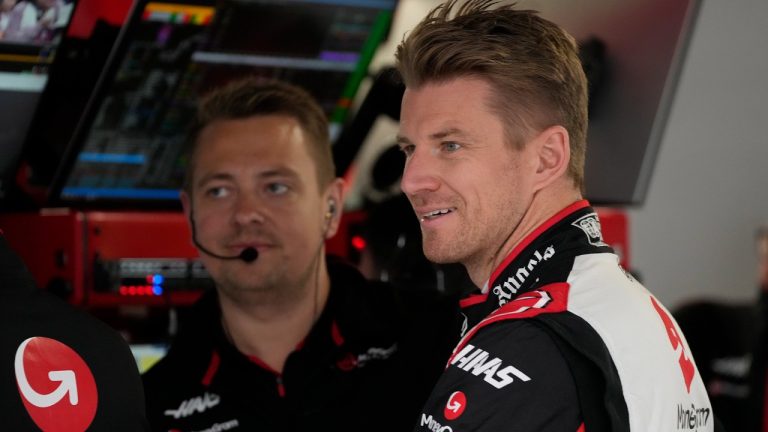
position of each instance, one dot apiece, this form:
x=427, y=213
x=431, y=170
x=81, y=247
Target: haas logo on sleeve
x=55, y=384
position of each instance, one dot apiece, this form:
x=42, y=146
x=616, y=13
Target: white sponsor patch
x=433, y=425
x=477, y=361
x=506, y=289
x=590, y=224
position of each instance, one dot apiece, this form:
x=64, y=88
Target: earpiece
x=328, y=215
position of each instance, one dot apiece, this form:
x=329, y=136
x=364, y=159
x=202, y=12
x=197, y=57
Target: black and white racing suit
x=563, y=339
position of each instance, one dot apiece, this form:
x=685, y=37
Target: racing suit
x=368, y=363
x=561, y=338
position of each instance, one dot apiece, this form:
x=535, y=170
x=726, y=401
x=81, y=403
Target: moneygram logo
x=433, y=425
x=455, y=406
x=56, y=386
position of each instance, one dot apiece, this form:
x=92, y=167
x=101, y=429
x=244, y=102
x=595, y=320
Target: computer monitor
x=30, y=31
x=128, y=148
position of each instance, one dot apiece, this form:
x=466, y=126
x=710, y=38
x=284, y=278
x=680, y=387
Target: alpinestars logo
x=505, y=290
x=477, y=361
x=194, y=405
x=590, y=224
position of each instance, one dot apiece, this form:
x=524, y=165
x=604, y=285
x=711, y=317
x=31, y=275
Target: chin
x=441, y=256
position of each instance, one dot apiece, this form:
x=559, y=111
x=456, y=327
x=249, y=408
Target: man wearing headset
x=288, y=341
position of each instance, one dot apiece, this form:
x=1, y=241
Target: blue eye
x=277, y=188
x=451, y=146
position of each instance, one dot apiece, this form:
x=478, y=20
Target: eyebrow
x=435, y=136
x=268, y=174
x=211, y=177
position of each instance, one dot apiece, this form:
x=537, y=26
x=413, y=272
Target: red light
x=358, y=243
x=149, y=279
x=123, y=290
x=132, y=290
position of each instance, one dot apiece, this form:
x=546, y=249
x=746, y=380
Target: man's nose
x=420, y=174
x=249, y=209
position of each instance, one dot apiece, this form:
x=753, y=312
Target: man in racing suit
x=559, y=337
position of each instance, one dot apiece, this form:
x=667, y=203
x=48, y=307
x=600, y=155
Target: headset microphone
x=248, y=255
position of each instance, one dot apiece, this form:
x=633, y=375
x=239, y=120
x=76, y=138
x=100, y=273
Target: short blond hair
x=531, y=63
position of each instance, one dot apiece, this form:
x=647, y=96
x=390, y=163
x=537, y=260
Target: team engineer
x=559, y=337
x=288, y=341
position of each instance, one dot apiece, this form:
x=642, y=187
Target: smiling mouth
x=434, y=214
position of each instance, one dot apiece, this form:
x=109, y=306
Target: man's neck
x=544, y=205
x=271, y=330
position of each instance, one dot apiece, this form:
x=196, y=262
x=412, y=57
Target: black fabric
x=728, y=342
x=758, y=396
x=599, y=389
x=362, y=384
x=547, y=403
x=27, y=312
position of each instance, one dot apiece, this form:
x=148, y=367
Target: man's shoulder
x=61, y=334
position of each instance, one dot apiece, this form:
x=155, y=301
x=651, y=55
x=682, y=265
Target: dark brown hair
x=255, y=97
x=531, y=64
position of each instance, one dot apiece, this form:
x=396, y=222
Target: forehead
x=457, y=103
x=254, y=143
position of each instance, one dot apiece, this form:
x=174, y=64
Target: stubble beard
x=273, y=287
x=448, y=248
x=475, y=248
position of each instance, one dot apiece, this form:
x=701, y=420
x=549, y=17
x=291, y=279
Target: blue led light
x=157, y=290
x=157, y=279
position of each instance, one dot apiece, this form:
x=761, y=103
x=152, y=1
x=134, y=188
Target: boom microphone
x=248, y=255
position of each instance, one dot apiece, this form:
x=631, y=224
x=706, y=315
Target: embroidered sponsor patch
x=455, y=406
x=433, y=425
x=56, y=386
x=479, y=362
x=590, y=224
x=506, y=289
x=197, y=404
x=350, y=361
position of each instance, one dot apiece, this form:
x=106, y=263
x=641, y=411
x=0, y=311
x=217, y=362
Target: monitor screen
x=30, y=31
x=129, y=145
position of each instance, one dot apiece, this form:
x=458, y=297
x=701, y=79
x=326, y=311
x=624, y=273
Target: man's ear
x=553, y=155
x=334, y=201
